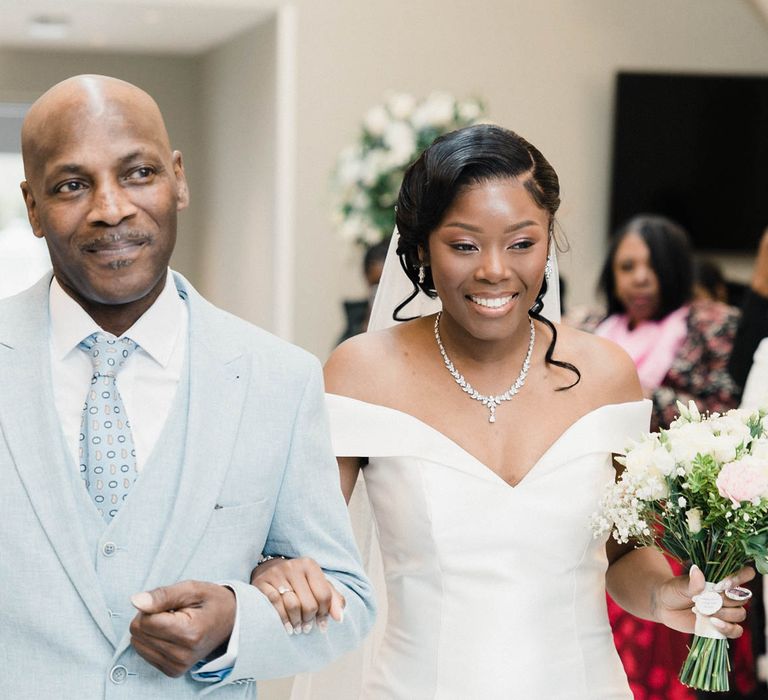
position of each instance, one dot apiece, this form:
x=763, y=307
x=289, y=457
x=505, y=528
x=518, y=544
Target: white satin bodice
x=493, y=591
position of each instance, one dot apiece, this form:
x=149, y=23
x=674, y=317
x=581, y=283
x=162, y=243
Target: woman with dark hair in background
x=681, y=349
x=485, y=433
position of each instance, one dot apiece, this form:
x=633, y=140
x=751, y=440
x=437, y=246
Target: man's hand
x=180, y=624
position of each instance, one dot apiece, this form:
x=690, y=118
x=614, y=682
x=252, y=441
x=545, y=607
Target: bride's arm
x=641, y=581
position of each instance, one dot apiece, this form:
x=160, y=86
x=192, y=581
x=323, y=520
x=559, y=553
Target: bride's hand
x=673, y=602
x=300, y=592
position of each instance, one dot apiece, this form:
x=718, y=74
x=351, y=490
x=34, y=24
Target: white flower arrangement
x=368, y=173
x=699, y=492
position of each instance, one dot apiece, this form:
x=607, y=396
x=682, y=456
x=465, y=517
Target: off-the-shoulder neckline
x=442, y=436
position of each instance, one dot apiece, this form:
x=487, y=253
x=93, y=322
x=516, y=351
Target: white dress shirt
x=149, y=379
x=147, y=383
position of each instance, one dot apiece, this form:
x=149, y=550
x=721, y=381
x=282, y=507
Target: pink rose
x=743, y=480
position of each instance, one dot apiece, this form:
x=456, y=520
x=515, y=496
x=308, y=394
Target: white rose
x=638, y=457
x=349, y=166
x=724, y=447
x=401, y=140
x=370, y=234
x=351, y=227
x=663, y=459
x=469, y=111
x=732, y=423
x=373, y=167
x=759, y=448
x=361, y=200
x=649, y=460
x=401, y=105
x=376, y=120
x=436, y=111
x=689, y=439
x=693, y=516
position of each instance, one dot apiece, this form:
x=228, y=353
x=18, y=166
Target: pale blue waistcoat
x=123, y=550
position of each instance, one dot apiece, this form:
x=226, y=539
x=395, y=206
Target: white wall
x=237, y=104
x=546, y=69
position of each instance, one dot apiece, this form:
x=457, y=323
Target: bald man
x=152, y=447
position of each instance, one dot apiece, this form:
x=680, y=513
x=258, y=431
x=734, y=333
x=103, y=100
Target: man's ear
x=31, y=202
x=182, y=188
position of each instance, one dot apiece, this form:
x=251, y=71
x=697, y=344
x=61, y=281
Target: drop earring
x=548, y=268
x=422, y=274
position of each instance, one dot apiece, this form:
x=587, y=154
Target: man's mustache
x=114, y=239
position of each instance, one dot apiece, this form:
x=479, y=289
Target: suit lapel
x=32, y=431
x=218, y=379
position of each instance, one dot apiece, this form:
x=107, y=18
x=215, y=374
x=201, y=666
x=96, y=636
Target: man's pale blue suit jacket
x=258, y=475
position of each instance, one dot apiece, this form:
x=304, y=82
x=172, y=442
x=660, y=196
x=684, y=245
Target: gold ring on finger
x=282, y=590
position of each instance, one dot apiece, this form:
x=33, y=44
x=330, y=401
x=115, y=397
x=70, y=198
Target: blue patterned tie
x=107, y=452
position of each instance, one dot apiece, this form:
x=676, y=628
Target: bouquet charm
x=708, y=602
x=699, y=492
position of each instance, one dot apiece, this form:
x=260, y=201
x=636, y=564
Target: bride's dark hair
x=462, y=158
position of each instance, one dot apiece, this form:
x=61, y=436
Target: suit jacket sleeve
x=311, y=520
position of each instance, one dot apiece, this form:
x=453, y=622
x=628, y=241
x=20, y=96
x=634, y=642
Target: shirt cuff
x=219, y=668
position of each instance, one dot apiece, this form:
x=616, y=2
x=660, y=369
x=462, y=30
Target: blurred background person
x=680, y=345
x=357, y=311
x=709, y=283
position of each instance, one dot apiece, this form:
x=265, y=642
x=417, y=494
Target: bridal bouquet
x=369, y=172
x=699, y=492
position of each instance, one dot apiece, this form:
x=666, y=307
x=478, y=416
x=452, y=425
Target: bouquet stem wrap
x=706, y=667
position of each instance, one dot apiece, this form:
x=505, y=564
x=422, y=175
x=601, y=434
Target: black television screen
x=694, y=148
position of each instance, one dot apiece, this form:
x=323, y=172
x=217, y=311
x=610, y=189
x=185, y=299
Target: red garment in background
x=652, y=656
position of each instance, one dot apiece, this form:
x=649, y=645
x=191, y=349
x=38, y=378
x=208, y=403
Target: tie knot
x=108, y=354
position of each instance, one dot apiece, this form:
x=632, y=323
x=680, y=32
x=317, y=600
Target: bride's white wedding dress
x=493, y=591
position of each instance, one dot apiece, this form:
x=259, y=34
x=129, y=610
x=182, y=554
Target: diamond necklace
x=490, y=401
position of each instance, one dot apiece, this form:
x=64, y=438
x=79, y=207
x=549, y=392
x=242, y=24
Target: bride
x=485, y=433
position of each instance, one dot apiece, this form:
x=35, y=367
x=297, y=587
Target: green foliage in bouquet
x=368, y=173
x=699, y=492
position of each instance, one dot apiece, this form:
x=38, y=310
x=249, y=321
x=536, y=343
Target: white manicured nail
x=306, y=627
x=288, y=628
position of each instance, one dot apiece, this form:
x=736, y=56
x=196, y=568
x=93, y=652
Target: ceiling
x=135, y=26
x=143, y=26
